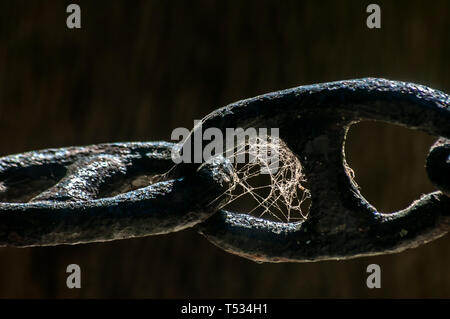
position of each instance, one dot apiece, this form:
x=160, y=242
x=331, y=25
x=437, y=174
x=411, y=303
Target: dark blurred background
x=138, y=69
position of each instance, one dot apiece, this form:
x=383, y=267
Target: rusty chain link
x=82, y=205
x=122, y=190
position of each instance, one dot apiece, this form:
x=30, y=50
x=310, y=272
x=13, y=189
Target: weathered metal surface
x=81, y=206
x=110, y=191
x=313, y=121
x=438, y=165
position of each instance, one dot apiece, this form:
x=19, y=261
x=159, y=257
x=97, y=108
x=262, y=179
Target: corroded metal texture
x=313, y=121
x=122, y=190
x=82, y=205
x=438, y=165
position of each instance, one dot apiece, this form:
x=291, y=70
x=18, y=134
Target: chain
x=81, y=206
x=122, y=190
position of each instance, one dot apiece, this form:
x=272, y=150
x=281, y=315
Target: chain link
x=82, y=207
x=100, y=192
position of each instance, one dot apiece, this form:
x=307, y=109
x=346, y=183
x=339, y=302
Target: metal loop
x=438, y=165
x=101, y=192
x=313, y=121
x=109, y=191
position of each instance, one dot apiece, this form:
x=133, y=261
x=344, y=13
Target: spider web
x=269, y=183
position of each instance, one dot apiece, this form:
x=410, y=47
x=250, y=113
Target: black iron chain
x=122, y=190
